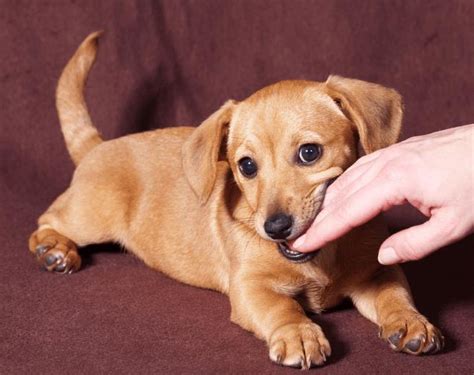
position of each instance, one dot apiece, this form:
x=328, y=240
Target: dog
x=215, y=207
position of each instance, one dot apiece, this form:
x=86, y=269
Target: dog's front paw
x=299, y=345
x=410, y=332
x=55, y=252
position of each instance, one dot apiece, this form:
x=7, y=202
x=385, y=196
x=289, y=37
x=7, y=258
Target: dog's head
x=287, y=141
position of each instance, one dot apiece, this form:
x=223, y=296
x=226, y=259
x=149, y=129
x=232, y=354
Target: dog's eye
x=248, y=167
x=309, y=153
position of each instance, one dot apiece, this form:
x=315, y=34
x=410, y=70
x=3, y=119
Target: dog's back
x=132, y=190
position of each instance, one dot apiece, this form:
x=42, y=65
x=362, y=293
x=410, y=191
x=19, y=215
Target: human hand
x=433, y=173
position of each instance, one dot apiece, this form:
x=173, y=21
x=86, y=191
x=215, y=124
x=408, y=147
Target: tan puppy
x=213, y=206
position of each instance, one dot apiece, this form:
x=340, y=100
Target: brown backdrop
x=173, y=62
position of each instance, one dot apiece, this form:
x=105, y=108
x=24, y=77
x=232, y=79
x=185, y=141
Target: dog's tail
x=79, y=133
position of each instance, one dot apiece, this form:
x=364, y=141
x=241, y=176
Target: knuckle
x=343, y=216
x=402, y=158
x=392, y=173
x=391, y=153
x=449, y=228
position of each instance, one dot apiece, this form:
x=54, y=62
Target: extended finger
x=354, y=210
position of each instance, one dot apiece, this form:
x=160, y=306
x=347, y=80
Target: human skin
x=433, y=173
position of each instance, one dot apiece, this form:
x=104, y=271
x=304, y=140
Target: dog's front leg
x=293, y=339
x=386, y=300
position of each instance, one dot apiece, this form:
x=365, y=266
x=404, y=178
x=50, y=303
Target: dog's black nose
x=278, y=227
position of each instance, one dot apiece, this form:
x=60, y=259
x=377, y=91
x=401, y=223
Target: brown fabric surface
x=174, y=62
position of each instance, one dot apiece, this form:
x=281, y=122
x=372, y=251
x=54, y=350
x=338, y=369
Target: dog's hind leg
x=53, y=250
x=71, y=221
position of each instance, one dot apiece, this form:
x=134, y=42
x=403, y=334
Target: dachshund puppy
x=214, y=207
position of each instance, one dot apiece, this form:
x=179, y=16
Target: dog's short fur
x=177, y=199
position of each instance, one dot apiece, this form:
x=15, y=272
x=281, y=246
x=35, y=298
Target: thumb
x=418, y=241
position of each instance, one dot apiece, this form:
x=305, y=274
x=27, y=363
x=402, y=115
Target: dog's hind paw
x=54, y=252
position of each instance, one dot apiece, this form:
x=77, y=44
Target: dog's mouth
x=294, y=256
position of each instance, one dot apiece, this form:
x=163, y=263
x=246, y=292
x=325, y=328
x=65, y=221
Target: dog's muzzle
x=294, y=256
x=326, y=177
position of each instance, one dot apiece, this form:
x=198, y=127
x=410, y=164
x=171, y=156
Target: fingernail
x=388, y=256
x=299, y=242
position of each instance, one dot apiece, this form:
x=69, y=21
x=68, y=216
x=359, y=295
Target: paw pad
x=55, y=252
x=410, y=332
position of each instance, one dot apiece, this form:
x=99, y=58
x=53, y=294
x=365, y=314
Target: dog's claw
x=300, y=345
x=61, y=267
x=431, y=346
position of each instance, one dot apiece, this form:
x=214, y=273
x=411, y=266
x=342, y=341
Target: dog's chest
x=319, y=291
x=318, y=295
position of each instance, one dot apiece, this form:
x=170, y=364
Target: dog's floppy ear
x=200, y=151
x=376, y=111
